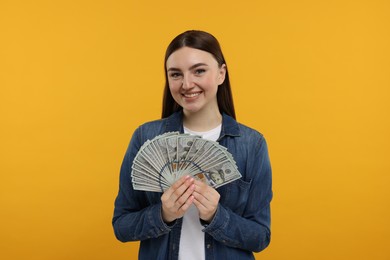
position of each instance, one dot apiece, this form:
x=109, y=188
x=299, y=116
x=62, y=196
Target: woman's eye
x=174, y=75
x=199, y=71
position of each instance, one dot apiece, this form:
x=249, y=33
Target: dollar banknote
x=160, y=162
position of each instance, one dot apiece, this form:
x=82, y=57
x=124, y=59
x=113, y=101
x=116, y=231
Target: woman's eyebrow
x=173, y=69
x=197, y=65
x=191, y=68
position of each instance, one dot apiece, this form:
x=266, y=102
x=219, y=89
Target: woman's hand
x=177, y=199
x=206, y=199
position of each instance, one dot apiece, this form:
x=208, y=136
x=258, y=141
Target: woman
x=192, y=220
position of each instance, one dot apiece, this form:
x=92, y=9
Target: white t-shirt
x=192, y=237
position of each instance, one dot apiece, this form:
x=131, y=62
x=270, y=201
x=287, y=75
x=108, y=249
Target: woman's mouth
x=191, y=95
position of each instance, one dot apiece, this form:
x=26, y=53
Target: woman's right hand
x=177, y=199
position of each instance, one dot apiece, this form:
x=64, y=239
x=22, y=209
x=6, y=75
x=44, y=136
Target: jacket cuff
x=220, y=220
x=156, y=220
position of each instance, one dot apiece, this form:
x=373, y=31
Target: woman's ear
x=221, y=74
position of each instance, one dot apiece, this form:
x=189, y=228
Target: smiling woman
x=193, y=77
x=192, y=220
x=199, y=41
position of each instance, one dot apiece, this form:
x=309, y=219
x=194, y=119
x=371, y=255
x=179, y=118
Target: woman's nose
x=188, y=82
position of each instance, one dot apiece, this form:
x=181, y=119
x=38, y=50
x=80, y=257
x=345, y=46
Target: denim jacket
x=241, y=224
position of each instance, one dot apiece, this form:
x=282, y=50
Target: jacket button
x=208, y=246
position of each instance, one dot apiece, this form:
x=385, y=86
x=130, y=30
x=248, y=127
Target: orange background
x=77, y=77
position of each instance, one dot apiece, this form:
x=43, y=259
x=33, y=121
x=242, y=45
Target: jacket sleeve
x=134, y=218
x=251, y=230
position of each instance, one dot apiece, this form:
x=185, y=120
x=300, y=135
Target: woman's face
x=193, y=77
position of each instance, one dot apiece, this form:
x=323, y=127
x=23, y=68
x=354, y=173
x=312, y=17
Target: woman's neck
x=202, y=121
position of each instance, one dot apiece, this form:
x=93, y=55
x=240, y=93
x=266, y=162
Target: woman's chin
x=191, y=108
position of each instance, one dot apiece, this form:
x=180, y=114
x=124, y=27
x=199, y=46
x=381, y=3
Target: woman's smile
x=191, y=95
x=194, y=76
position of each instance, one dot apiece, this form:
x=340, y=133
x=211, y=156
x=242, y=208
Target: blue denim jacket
x=241, y=224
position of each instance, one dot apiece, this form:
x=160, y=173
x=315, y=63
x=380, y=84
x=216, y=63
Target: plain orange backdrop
x=77, y=77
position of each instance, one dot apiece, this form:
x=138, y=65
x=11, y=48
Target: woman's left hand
x=206, y=199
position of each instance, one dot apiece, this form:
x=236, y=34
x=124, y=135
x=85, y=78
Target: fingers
x=168, y=193
x=186, y=205
x=177, y=199
x=206, y=199
x=180, y=196
x=181, y=190
x=206, y=193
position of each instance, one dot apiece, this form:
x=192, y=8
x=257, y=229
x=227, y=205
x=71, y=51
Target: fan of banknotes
x=160, y=162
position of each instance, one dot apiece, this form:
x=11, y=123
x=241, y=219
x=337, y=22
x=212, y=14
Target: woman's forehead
x=187, y=56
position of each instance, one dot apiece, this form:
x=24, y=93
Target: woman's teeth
x=189, y=95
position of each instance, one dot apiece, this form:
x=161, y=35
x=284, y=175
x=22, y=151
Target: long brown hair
x=206, y=42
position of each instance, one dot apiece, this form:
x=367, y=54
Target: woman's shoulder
x=252, y=139
x=243, y=132
x=150, y=129
x=152, y=123
x=249, y=129
x=249, y=132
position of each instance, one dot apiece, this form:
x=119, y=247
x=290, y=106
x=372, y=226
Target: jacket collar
x=174, y=123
